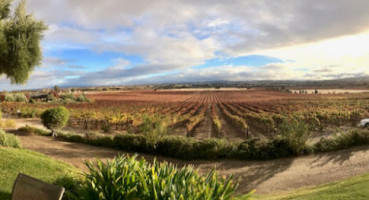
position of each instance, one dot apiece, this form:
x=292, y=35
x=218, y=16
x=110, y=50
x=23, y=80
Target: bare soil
x=264, y=176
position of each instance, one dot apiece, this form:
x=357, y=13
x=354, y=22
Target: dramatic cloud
x=170, y=40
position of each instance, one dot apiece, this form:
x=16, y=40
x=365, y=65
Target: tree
x=56, y=89
x=20, y=36
x=55, y=118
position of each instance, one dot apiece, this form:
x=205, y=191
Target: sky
x=123, y=42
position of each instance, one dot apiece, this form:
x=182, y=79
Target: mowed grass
x=353, y=188
x=13, y=161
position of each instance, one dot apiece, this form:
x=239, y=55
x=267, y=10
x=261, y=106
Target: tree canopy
x=20, y=36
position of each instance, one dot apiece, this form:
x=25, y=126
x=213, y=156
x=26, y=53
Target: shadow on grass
x=5, y=195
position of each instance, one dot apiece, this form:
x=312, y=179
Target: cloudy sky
x=116, y=42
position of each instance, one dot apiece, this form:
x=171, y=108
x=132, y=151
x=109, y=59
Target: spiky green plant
x=131, y=178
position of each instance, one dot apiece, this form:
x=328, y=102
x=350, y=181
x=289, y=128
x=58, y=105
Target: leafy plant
x=33, y=130
x=9, y=140
x=55, y=118
x=131, y=178
x=296, y=133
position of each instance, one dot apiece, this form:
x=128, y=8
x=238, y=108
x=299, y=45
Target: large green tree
x=20, y=36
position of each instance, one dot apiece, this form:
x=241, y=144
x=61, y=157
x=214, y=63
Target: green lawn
x=354, y=188
x=13, y=161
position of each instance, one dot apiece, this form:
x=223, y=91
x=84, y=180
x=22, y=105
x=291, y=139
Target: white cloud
x=177, y=35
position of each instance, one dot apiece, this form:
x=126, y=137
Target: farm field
x=230, y=114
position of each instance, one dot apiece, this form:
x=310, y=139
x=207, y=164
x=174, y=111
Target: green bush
x=130, y=178
x=135, y=143
x=68, y=96
x=55, y=118
x=51, y=98
x=9, y=140
x=83, y=98
x=342, y=141
x=16, y=97
x=71, y=184
x=176, y=147
x=8, y=97
x=78, y=138
x=212, y=148
x=33, y=130
x=100, y=140
x=296, y=133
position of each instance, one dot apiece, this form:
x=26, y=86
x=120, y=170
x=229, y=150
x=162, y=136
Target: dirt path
x=203, y=131
x=264, y=176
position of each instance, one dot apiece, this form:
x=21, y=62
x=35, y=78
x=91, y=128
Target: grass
x=353, y=188
x=13, y=161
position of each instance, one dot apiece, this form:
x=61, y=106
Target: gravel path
x=264, y=176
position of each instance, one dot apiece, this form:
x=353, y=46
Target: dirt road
x=264, y=176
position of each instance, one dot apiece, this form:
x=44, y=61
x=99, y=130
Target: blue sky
x=92, y=42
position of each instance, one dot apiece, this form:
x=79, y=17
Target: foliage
x=190, y=148
x=131, y=178
x=153, y=126
x=342, y=141
x=16, y=97
x=20, y=36
x=134, y=143
x=9, y=123
x=51, y=98
x=83, y=98
x=55, y=118
x=296, y=133
x=56, y=89
x=9, y=140
x=33, y=130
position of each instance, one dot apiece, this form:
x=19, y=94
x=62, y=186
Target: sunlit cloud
x=94, y=42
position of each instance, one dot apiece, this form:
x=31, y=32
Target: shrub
x=130, y=178
x=9, y=97
x=99, y=140
x=51, y=98
x=296, y=133
x=342, y=141
x=68, y=97
x=83, y=98
x=177, y=147
x=71, y=137
x=135, y=143
x=20, y=97
x=71, y=183
x=16, y=97
x=325, y=145
x=33, y=130
x=106, y=128
x=9, y=140
x=55, y=118
x=9, y=123
x=212, y=148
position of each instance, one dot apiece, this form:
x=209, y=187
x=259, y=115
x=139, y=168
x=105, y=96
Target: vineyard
x=232, y=115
